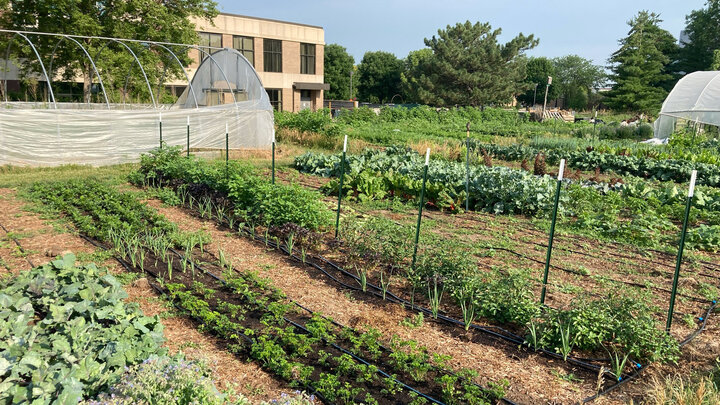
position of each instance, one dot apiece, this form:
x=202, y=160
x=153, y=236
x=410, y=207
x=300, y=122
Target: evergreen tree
x=641, y=67
x=703, y=33
x=470, y=67
x=338, y=65
x=379, y=77
x=538, y=70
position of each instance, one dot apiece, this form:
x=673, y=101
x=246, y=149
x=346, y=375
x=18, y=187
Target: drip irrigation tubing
x=160, y=291
x=24, y=253
x=630, y=283
x=513, y=338
x=386, y=349
x=379, y=371
x=583, y=363
x=505, y=335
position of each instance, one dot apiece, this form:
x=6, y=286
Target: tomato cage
x=130, y=96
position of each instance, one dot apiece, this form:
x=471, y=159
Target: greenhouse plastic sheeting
x=696, y=97
x=49, y=137
x=225, y=90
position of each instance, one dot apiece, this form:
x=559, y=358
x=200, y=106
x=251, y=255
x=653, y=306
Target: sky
x=564, y=27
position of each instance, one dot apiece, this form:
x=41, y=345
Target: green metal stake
x=227, y=151
x=552, y=231
x=340, y=187
x=467, y=169
x=188, y=136
x=691, y=192
x=160, y=130
x=420, y=210
x=273, y=159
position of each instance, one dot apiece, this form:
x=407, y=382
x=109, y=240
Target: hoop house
x=696, y=97
x=224, y=90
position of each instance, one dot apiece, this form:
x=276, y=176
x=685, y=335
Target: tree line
x=465, y=64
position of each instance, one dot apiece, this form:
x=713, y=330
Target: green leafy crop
x=65, y=333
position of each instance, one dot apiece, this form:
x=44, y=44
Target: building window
x=208, y=41
x=272, y=55
x=307, y=59
x=275, y=98
x=246, y=46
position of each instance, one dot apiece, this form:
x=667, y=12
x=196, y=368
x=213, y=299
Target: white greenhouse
x=225, y=91
x=695, y=98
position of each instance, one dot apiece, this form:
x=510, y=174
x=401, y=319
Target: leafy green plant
x=65, y=354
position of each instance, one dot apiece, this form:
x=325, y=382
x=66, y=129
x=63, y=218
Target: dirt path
x=41, y=241
x=533, y=379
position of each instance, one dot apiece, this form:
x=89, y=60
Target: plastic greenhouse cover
x=37, y=134
x=696, y=97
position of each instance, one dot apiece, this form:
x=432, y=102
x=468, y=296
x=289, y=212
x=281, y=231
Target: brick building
x=287, y=56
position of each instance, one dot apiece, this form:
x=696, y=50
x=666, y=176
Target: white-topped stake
x=427, y=157
x=188, y=117
x=273, y=138
x=226, y=128
x=562, y=169
x=345, y=144
x=693, y=177
x=160, y=114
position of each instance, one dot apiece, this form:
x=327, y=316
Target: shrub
x=625, y=132
x=644, y=131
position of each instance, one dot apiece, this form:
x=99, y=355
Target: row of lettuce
x=636, y=332
x=67, y=336
x=639, y=212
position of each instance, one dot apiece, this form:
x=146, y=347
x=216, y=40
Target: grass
x=675, y=390
x=17, y=176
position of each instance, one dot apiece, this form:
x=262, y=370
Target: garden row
x=620, y=322
x=681, y=146
x=393, y=125
x=638, y=212
x=256, y=320
x=656, y=169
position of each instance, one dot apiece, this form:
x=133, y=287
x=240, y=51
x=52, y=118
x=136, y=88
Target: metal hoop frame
x=123, y=42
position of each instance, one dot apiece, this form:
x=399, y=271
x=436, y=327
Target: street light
x=549, y=82
x=351, y=75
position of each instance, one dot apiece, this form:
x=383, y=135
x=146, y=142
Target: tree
x=338, y=65
x=416, y=64
x=703, y=38
x=576, y=78
x=165, y=21
x=641, y=67
x=470, y=67
x=538, y=70
x=379, y=77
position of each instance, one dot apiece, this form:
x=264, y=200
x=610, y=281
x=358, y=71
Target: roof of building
x=271, y=20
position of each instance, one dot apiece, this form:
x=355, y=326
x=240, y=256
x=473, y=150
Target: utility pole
x=351, y=75
x=546, y=94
